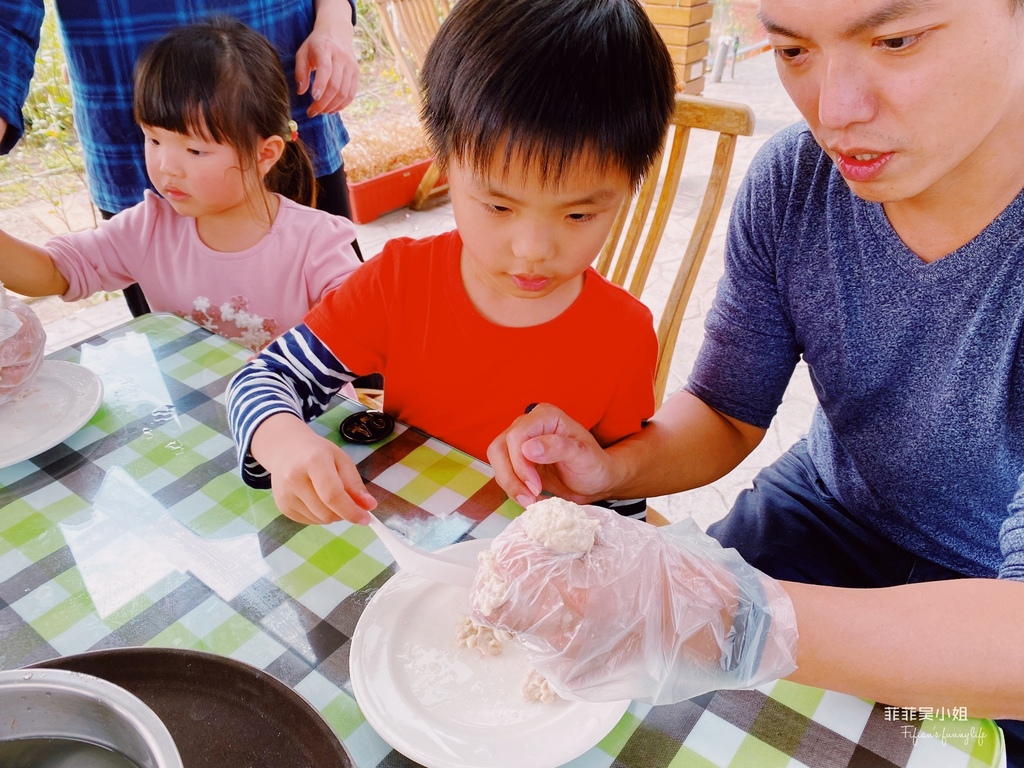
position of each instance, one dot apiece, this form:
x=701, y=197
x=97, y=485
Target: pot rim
x=26, y=684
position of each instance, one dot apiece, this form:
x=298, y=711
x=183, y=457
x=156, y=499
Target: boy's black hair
x=546, y=81
x=222, y=80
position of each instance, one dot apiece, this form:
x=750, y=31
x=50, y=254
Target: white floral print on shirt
x=232, y=320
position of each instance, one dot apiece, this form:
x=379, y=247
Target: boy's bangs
x=551, y=155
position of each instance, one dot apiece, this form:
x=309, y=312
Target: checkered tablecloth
x=138, y=531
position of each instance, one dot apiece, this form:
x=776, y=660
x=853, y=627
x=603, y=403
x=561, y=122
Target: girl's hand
x=313, y=480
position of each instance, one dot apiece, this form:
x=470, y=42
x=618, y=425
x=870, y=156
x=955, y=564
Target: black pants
x=790, y=527
x=331, y=196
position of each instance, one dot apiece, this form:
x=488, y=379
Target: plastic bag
x=22, y=345
x=654, y=614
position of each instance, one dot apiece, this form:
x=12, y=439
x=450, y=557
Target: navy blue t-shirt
x=918, y=367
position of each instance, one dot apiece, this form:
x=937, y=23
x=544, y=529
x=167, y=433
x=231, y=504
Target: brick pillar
x=685, y=26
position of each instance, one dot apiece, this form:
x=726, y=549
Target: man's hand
x=546, y=450
x=655, y=614
x=329, y=52
x=313, y=480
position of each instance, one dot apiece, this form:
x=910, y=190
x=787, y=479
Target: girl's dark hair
x=221, y=80
x=546, y=81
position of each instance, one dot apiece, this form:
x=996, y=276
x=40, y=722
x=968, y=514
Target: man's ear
x=268, y=152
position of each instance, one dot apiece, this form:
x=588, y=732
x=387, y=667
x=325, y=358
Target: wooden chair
x=632, y=244
x=410, y=27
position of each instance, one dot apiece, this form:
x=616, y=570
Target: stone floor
x=754, y=83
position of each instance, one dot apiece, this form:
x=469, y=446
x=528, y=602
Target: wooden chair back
x=409, y=27
x=632, y=245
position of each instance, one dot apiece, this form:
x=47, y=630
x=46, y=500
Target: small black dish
x=367, y=427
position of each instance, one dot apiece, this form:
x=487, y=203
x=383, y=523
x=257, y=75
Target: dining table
x=137, y=530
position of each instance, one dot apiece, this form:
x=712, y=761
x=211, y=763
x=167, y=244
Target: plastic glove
x=654, y=614
x=22, y=344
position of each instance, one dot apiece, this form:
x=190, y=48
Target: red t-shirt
x=463, y=379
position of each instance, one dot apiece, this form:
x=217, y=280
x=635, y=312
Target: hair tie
x=293, y=131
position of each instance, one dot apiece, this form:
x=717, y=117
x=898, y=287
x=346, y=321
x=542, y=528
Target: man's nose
x=845, y=96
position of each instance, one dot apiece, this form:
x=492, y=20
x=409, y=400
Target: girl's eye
x=581, y=216
x=196, y=152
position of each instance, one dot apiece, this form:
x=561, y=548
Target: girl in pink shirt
x=230, y=241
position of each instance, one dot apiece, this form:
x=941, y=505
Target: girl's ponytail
x=292, y=175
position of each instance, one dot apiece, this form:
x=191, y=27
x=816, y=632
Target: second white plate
x=449, y=707
x=59, y=401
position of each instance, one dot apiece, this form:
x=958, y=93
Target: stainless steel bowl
x=55, y=704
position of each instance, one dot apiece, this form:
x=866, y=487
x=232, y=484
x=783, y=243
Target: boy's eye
x=497, y=208
x=581, y=216
x=152, y=141
x=196, y=152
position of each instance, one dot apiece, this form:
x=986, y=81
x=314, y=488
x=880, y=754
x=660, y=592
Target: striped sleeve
x=295, y=374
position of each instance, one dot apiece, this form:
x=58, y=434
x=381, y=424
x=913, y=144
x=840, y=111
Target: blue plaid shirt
x=102, y=40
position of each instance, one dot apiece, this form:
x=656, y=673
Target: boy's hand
x=546, y=450
x=313, y=480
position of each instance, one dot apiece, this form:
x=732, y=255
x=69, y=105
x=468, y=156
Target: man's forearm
x=685, y=445
x=937, y=644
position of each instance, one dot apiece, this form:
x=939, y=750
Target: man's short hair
x=546, y=81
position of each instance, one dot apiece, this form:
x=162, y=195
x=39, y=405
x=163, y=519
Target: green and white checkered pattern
x=138, y=531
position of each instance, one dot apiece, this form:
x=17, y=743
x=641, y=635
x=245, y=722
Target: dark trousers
x=790, y=527
x=331, y=196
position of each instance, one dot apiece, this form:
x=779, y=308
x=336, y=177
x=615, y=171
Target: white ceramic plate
x=449, y=707
x=60, y=400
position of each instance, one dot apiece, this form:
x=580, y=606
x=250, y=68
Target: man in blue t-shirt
x=882, y=241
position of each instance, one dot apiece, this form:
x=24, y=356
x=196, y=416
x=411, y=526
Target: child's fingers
x=302, y=507
x=340, y=498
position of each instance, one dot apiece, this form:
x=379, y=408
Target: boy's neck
x=238, y=228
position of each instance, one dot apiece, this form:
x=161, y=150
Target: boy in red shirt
x=545, y=115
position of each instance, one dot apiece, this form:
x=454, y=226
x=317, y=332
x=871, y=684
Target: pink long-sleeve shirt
x=248, y=296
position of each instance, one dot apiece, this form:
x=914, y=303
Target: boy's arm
x=28, y=269
x=269, y=401
x=296, y=374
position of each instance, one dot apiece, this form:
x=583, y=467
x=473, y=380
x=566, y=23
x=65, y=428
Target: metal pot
x=56, y=704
